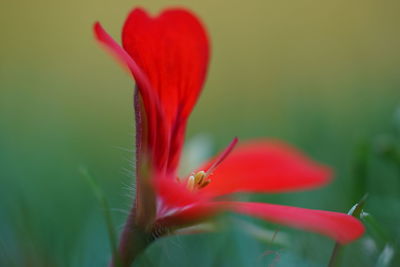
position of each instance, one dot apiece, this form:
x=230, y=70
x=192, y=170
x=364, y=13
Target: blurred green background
x=323, y=76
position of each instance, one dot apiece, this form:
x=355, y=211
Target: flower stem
x=134, y=239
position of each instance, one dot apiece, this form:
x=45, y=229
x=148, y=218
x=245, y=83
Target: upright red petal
x=155, y=136
x=172, y=50
x=265, y=166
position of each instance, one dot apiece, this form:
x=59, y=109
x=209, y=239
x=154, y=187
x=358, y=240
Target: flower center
x=197, y=181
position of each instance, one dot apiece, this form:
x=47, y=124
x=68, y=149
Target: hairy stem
x=134, y=239
x=136, y=235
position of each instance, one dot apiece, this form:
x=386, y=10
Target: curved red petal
x=172, y=49
x=338, y=226
x=120, y=54
x=265, y=166
x=157, y=136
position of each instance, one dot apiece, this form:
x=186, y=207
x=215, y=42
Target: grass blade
x=106, y=213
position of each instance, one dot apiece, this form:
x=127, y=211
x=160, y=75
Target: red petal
x=121, y=55
x=338, y=226
x=191, y=215
x=174, y=194
x=172, y=50
x=265, y=166
x=157, y=136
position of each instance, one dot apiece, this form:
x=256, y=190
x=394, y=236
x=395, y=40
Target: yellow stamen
x=197, y=181
x=191, y=182
x=199, y=177
x=205, y=183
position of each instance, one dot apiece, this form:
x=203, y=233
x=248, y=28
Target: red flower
x=168, y=57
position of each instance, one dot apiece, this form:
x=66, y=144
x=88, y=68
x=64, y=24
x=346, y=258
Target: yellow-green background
x=323, y=75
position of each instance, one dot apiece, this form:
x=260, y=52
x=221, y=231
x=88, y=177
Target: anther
x=199, y=177
x=197, y=181
x=191, y=182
